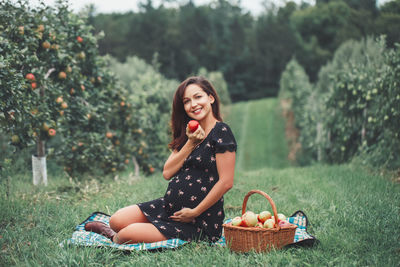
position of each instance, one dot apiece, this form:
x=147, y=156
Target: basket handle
x=271, y=202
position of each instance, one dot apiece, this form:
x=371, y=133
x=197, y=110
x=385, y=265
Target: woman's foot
x=100, y=228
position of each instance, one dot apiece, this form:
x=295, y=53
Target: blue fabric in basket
x=80, y=237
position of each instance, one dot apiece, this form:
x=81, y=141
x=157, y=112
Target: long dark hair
x=179, y=118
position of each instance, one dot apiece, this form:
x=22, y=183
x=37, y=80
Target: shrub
x=220, y=84
x=353, y=109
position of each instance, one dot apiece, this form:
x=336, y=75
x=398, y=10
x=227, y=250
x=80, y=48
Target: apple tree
x=56, y=89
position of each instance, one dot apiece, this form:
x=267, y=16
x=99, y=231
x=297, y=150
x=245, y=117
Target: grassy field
x=353, y=212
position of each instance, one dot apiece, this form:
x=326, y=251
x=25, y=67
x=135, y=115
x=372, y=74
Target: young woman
x=200, y=171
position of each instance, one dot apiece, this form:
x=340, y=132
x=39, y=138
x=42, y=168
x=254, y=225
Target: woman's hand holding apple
x=197, y=136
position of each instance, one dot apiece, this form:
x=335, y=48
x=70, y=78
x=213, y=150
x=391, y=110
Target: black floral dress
x=189, y=186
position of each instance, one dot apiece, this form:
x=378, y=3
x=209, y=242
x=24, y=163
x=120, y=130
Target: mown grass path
x=259, y=129
x=353, y=212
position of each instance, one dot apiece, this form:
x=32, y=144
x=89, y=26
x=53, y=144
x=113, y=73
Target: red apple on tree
x=62, y=75
x=52, y=132
x=79, y=39
x=109, y=135
x=34, y=85
x=30, y=77
x=193, y=125
x=46, y=45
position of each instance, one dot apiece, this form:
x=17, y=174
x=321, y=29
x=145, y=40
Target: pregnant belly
x=180, y=195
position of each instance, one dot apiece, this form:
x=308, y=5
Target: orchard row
x=353, y=110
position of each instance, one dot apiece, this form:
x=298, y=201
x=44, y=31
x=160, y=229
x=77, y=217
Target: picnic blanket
x=80, y=237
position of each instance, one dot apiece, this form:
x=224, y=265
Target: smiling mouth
x=197, y=111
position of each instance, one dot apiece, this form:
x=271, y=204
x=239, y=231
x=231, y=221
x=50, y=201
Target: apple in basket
x=264, y=215
x=249, y=219
x=259, y=225
x=281, y=217
x=270, y=223
x=237, y=221
x=284, y=224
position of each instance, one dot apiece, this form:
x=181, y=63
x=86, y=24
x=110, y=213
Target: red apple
x=237, y=221
x=79, y=39
x=281, y=217
x=193, y=125
x=30, y=76
x=33, y=85
x=270, y=223
x=264, y=215
x=249, y=219
x=46, y=45
x=259, y=225
x=62, y=75
x=52, y=132
x=284, y=224
x=59, y=100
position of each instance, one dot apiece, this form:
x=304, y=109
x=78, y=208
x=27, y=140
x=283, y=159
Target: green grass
x=354, y=213
x=259, y=129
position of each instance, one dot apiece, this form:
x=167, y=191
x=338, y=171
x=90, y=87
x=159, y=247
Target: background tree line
x=250, y=51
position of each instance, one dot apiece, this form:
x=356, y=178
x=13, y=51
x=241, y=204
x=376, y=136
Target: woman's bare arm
x=177, y=158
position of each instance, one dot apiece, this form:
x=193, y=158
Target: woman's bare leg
x=127, y=216
x=138, y=233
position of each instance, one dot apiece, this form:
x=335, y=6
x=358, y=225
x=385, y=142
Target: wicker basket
x=244, y=239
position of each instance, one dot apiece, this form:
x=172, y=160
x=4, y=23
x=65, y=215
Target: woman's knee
x=126, y=216
x=119, y=220
x=115, y=222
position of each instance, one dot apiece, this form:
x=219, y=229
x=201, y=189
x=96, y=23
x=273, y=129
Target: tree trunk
x=39, y=168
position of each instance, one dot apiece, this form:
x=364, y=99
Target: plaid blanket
x=80, y=237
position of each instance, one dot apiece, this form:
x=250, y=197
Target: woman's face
x=197, y=103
